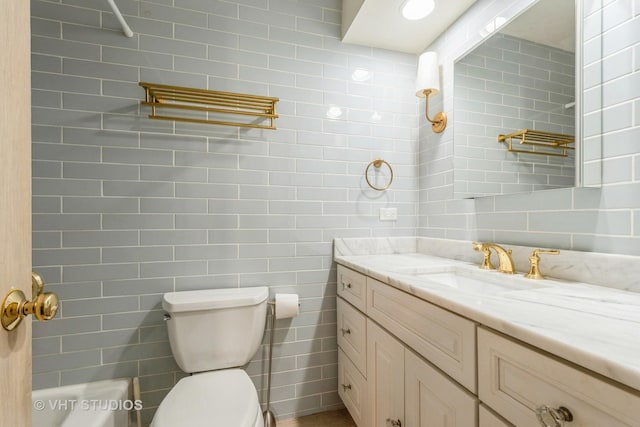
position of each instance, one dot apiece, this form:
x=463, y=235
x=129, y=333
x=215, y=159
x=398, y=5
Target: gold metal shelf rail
x=558, y=143
x=262, y=108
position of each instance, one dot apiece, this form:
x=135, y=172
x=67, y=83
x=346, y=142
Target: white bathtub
x=96, y=404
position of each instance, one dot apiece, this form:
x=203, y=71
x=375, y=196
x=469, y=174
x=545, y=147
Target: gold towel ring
x=377, y=163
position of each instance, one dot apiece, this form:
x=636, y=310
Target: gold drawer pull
x=345, y=331
x=346, y=387
x=394, y=423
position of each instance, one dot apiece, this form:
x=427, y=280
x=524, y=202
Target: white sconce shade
x=428, y=75
x=428, y=84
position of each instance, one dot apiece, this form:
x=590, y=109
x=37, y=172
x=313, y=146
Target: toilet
x=212, y=334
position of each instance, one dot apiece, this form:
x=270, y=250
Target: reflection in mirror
x=520, y=78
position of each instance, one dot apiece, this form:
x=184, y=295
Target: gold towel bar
x=553, y=141
x=210, y=101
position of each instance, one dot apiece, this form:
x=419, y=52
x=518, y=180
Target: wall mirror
x=520, y=82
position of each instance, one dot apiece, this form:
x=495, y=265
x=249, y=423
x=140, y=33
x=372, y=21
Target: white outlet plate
x=388, y=214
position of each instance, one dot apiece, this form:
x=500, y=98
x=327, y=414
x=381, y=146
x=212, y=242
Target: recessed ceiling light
x=417, y=9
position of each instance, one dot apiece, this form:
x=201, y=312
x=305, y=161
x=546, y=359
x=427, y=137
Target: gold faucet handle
x=534, y=259
x=486, y=251
x=545, y=251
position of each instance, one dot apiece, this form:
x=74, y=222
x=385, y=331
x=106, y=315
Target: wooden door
x=15, y=206
x=385, y=378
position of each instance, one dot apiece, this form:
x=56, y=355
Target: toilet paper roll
x=286, y=306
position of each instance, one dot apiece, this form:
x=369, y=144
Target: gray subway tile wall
x=127, y=208
x=600, y=219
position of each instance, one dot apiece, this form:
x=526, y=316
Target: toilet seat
x=217, y=399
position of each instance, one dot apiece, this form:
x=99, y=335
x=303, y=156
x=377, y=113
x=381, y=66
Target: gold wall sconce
x=428, y=84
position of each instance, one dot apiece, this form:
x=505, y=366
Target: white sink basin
x=471, y=279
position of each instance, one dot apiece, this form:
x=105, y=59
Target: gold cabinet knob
x=15, y=305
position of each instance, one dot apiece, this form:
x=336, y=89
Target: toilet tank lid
x=208, y=299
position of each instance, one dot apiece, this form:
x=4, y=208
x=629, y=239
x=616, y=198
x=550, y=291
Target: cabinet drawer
x=488, y=419
x=443, y=338
x=352, y=334
x=352, y=388
x=352, y=287
x=514, y=380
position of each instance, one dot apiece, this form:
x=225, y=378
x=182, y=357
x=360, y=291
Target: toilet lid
x=216, y=399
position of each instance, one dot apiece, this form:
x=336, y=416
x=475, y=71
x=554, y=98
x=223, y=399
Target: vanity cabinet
x=408, y=362
x=515, y=380
x=381, y=379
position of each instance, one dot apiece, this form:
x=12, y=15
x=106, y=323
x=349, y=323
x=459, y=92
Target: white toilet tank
x=215, y=328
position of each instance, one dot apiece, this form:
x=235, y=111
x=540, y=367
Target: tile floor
x=340, y=418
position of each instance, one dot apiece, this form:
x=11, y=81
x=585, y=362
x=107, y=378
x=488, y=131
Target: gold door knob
x=44, y=307
x=37, y=284
x=15, y=305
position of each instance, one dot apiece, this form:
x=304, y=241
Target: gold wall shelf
x=260, y=108
x=552, y=144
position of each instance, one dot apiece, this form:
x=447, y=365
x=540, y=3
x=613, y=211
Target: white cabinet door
x=432, y=399
x=385, y=378
x=489, y=419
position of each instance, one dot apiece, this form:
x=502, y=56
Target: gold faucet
x=504, y=257
x=486, y=251
x=534, y=271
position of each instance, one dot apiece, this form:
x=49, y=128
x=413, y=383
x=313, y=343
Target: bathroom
x=126, y=208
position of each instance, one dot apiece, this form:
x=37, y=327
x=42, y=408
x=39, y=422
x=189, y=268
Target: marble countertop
x=592, y=326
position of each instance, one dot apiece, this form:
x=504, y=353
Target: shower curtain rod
x=125, y=28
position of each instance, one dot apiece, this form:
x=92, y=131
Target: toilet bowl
x=212, y=334
x=219, y=398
